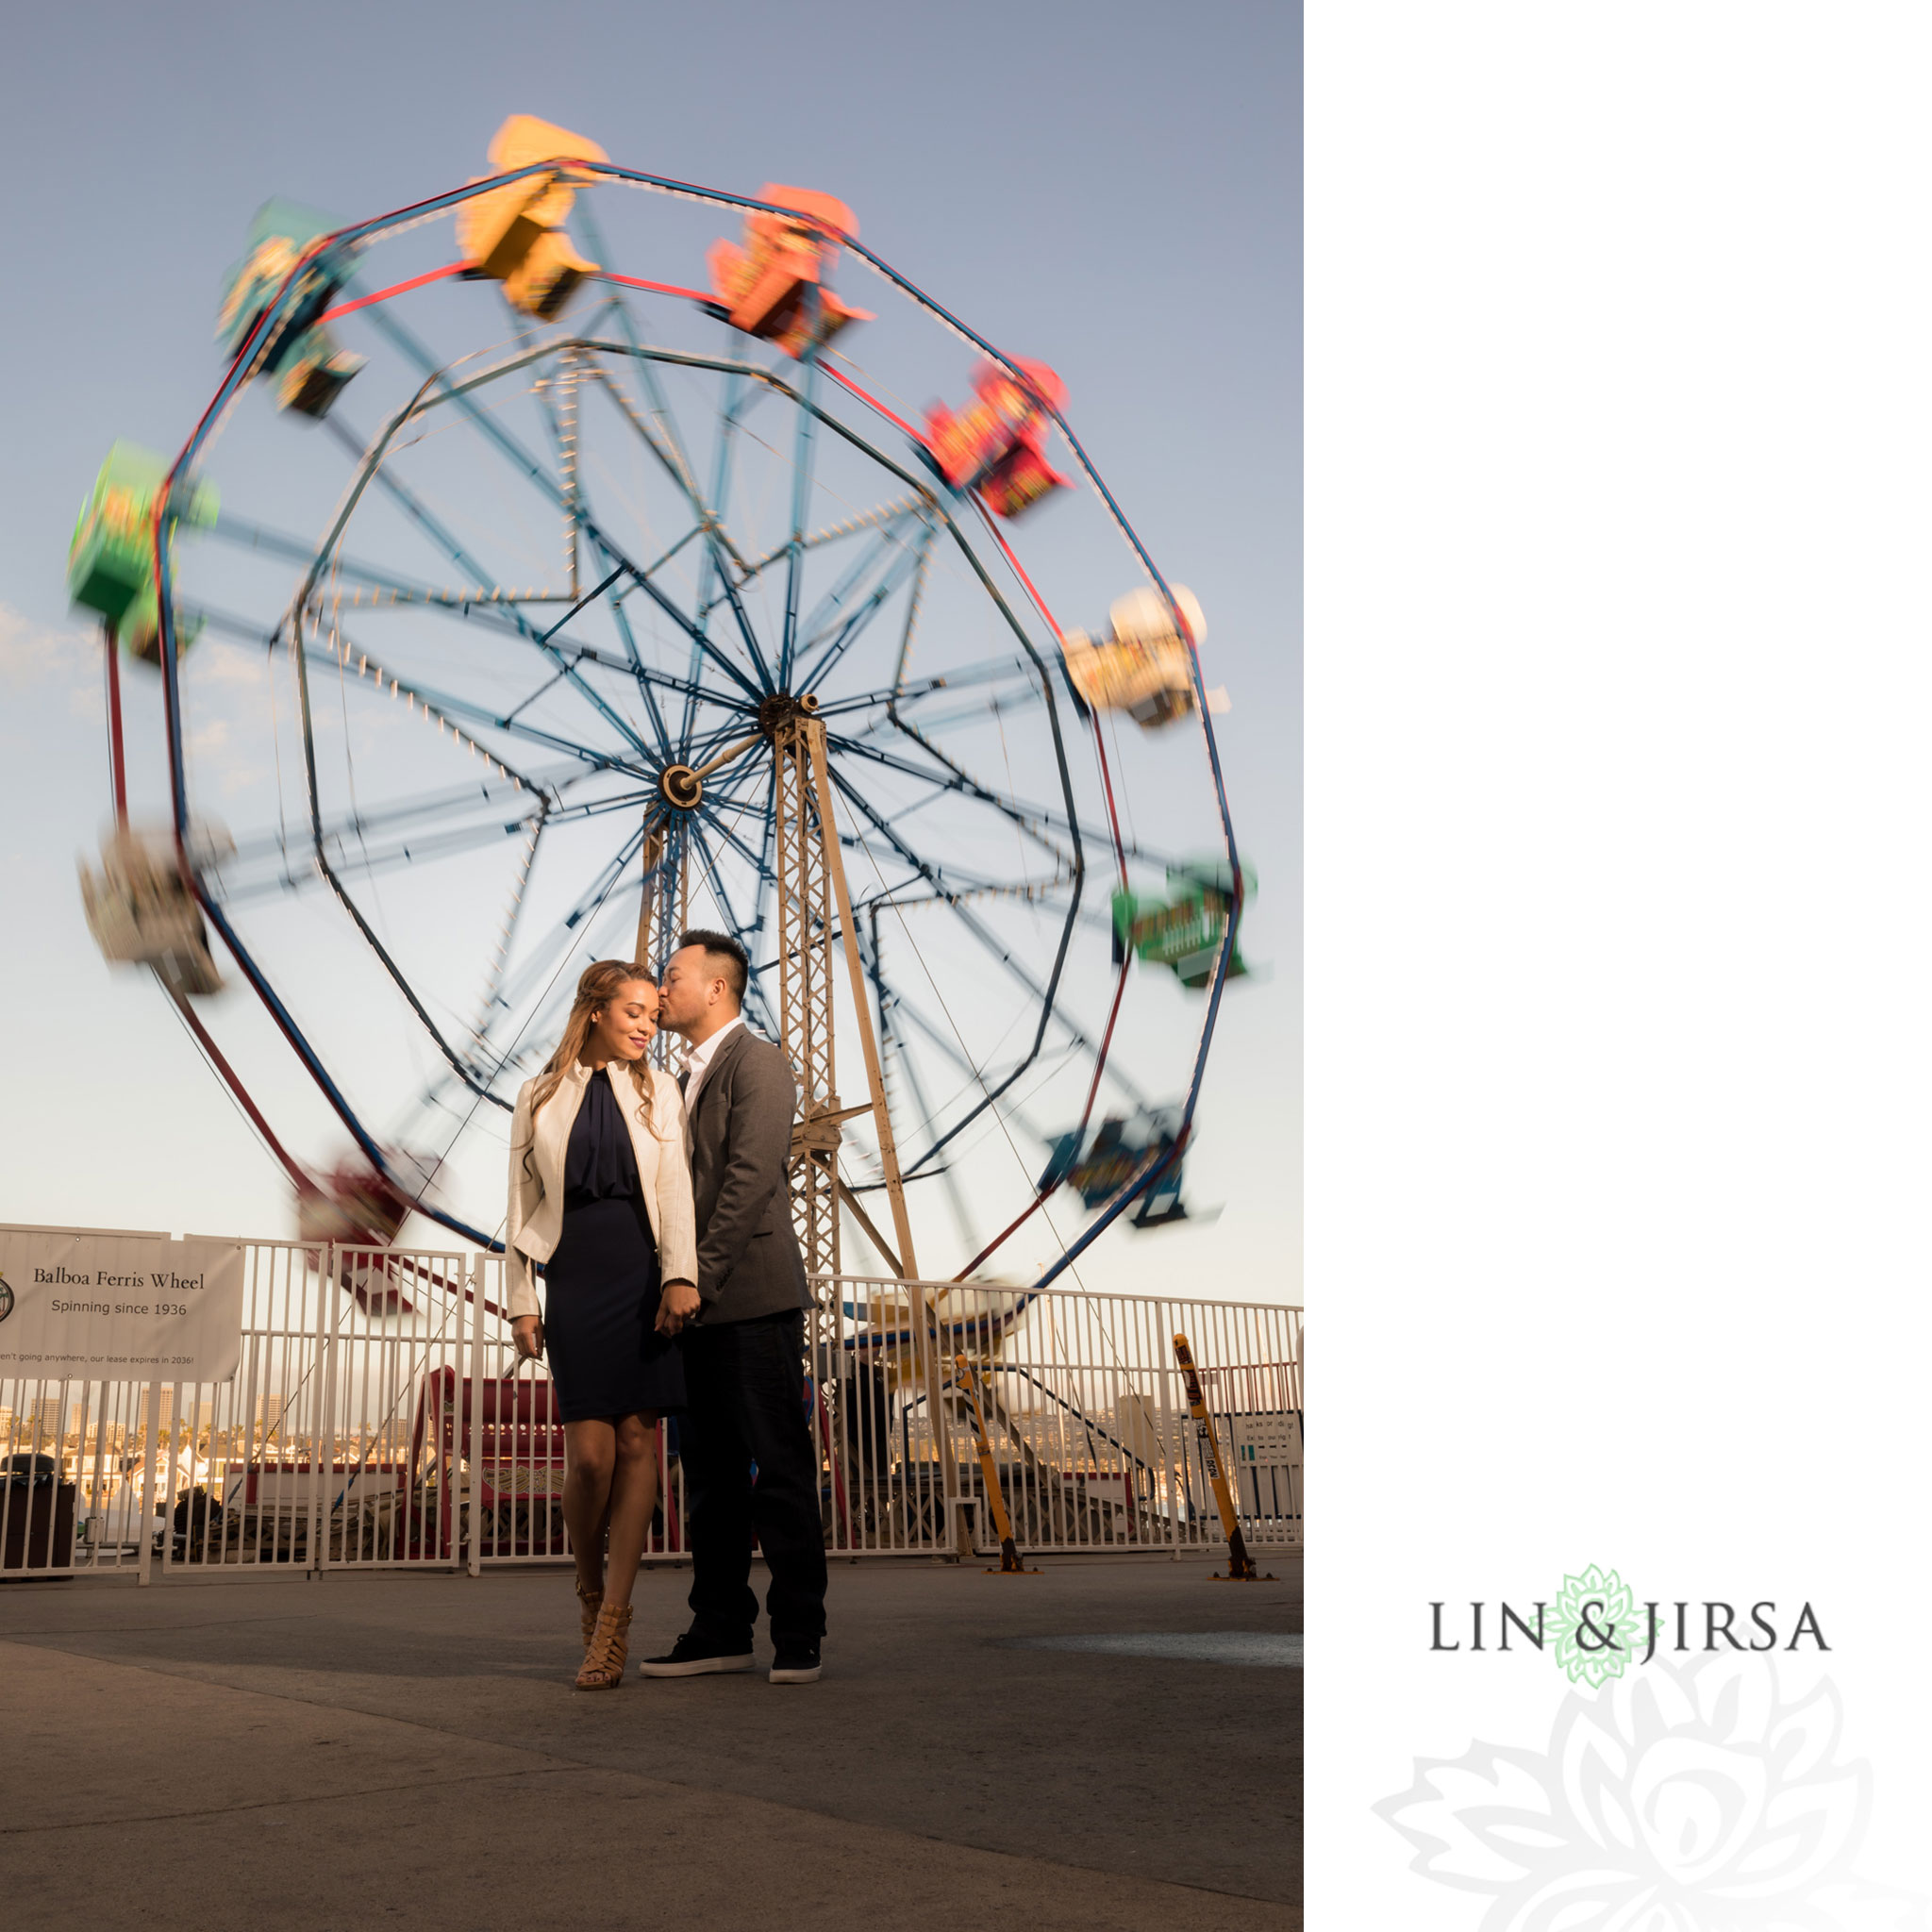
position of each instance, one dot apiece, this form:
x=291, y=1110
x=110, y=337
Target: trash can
x=38, y=1512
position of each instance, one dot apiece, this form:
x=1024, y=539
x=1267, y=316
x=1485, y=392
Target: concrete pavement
x=240, y=1749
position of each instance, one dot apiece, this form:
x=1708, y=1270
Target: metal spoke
x=955, y=778
x=408, y=852
x=734, y=923
x=717, y=539
x=535, y=969
x=732, y=839
x=645, y=678
x=603, y=807
x=1046, y=995
x=702, y=646
x=902, y=567
x=459, y=393
x=873, y=701
x=767, y=864
x=396, y=973
x=801, y=506
x=240, y=532
x=894, y=1050
x=948, y=780
x=714, y=567
x=947, y=1043
x=585, y=215
x=371, y=466
x=385, y=818
x=455, y=707
x=833, y=533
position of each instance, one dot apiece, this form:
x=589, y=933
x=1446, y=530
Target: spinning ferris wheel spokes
x=644, y=614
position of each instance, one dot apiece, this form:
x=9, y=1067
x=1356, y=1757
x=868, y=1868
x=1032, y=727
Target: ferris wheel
x=552, y=572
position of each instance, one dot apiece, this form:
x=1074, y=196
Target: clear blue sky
x=1115, y=188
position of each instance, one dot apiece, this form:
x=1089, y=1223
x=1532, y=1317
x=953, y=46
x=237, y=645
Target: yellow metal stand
x=1241, y=1566
x=1010, y=1564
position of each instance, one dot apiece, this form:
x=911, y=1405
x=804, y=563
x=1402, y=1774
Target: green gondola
x=1184, y=931
x=110, y=564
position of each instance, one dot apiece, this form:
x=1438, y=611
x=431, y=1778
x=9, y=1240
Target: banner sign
x=119, y=1308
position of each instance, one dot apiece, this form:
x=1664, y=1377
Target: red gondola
x=773, y=286
x=997, y=444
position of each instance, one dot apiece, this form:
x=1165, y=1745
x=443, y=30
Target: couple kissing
x=673, y=1284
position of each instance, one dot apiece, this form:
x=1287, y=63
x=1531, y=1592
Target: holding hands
x=676, y=1306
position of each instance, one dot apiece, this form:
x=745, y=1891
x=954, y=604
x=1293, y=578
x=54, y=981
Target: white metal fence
x=379, y=1419
x=1085, y=1414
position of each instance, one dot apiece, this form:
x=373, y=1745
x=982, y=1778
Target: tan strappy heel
x=588, y=1603
x=609, y=1647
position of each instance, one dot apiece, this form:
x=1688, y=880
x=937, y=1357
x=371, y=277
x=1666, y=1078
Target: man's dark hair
x=722, y=946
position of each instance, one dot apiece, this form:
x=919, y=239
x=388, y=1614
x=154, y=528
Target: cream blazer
x=536, y=1185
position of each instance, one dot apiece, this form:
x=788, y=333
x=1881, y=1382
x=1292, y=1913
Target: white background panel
x=1620, y=818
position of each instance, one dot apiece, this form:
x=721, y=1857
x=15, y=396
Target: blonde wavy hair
x=599, y=985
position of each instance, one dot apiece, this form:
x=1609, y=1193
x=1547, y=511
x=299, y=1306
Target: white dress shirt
x=700, y=1061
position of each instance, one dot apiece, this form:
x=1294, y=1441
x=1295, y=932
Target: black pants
x=744, y=1384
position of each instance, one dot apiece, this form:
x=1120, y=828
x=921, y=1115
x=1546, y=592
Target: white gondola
x=141, y=908
x=1141, y=666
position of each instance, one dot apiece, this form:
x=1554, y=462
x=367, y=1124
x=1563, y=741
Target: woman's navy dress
x=606, y=1357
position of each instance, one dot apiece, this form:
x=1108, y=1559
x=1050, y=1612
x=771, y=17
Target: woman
x=600, y=1189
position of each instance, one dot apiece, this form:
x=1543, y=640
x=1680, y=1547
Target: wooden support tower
x=811, y=910
x=802, y=900
x=655, y=904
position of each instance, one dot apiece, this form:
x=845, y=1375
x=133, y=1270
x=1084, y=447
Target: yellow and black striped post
x=1010, y=1564
x=1241, y=1566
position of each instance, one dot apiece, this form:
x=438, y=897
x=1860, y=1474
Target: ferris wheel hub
x=781, y=708
x=680, y=788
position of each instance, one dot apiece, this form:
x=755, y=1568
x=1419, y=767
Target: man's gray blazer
x=741, y=1144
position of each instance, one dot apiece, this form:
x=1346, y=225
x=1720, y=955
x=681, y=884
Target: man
x=744, y=1332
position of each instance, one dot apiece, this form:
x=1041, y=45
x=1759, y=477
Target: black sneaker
x=796, y=1664
x=696, y=1657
